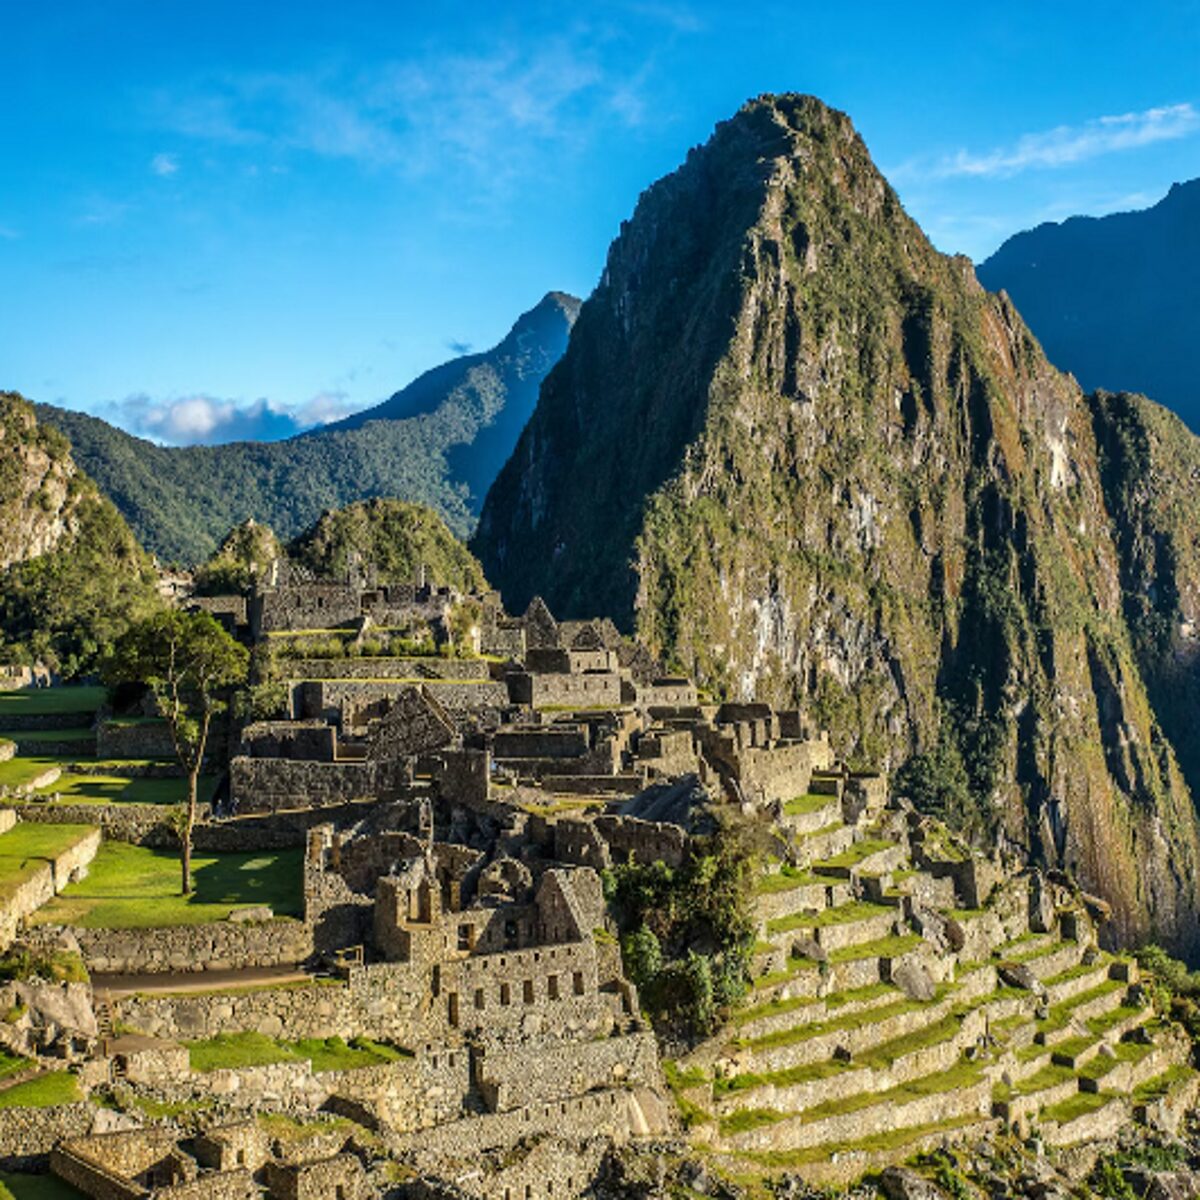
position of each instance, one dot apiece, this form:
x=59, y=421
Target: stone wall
x=326, y=699
x=144, y=739
x=614, y=1113
x=260, y=785
x=642, y=841
x=217, y=946
x=597, y=689
x=46, y=878
x=313, y=741
x=27, y=1135
x=540, y=741
x=422, y=668
x=517, y=1075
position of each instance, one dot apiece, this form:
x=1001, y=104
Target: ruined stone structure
x=904, y=989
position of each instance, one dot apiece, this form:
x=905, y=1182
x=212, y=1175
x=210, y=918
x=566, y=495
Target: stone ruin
x=905, y=991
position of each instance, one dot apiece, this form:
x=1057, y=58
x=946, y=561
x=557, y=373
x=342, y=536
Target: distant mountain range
x=1115, y=300
x=440, y=440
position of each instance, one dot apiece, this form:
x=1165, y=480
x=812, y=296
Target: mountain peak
x=812, y=462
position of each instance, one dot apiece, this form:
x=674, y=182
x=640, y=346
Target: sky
x=230, y=220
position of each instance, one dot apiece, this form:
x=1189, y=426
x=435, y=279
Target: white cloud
x=1067, y=144
x=209, y=420
x=164, y=164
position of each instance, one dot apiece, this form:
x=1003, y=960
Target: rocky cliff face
x=39, y=484
x=71, y=573
x=812, y=460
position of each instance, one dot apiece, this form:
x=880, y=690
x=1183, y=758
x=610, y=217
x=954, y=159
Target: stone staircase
x=875, y=1028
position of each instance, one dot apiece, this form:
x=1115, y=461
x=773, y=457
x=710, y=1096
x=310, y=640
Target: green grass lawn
x=50, y=701
x=24, y=848
x=83, y=736
x=24, y=769
x=232, y=1050
x=115, y=789
x=801, y=806
x=130, y=887
x=10, y=1064
x=856, y=853
x=18, y=1186
x=44, y=1091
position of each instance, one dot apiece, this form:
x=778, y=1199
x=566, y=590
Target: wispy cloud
x=486, y=113
x=99, y=210
x=8, y=233
x=1064, y=145
x=164, y=164
x=209, y=420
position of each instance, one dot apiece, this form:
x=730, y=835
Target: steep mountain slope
x=440, y=441
x=1113, y=299
x=71, y=573
x=809, y=458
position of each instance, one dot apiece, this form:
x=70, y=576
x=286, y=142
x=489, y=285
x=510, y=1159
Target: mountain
x=71, y=573
x=1114, y=299
x=438, y=441
x=810, y=459
x=394, y=537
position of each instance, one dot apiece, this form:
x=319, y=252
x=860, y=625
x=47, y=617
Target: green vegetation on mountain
x=810, y=459
x=246, y=552
x=392, y=536
x=439, y=441
x=72, y=575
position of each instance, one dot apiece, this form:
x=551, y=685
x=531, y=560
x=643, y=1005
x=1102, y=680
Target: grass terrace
x=233, y=1050
x=54, y=701
x=894, y=1139
x=26, y=847
x=787, y=879
x=117, y=789
x=130, y=887
x=84, y=736
x=857, y=853
x=844, y=914
x=24, y=769
x=43, y=1091
x=19, y=1186
x=1077, y=1106
x=801, y=806
x=850, y=1020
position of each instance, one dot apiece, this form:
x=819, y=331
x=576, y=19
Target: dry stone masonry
x=451, y=1016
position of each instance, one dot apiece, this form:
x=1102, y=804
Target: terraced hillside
x=887, y=1018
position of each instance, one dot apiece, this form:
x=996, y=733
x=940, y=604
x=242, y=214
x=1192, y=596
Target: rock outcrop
x=812, y=461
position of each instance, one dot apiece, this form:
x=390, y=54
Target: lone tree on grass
x=188, y=661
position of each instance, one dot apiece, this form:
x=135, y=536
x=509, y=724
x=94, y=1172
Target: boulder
x=1018, y=975
x=914, y=981
x=901, y=1183
x=258, y=912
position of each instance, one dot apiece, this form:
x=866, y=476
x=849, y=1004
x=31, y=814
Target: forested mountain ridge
x=438, y=441
x=810, y=459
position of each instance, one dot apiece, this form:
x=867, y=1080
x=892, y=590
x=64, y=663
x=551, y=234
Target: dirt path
x=110, y=987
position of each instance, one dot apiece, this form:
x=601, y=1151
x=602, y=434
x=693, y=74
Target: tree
x=187, y=660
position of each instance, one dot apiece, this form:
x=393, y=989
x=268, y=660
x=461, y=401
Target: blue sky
x=225, y=220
